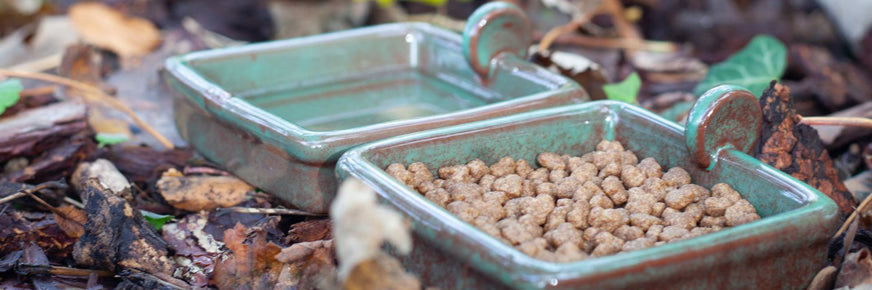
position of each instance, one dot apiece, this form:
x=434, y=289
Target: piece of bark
x=196, y=193
x=117, y=236
x=105, y=172
x=18, y=229
x=34, y=256
x=309, y=231
x=833, y=83
x=57, y=162
x=144, y=165
x=796, y=149
x=33, y=131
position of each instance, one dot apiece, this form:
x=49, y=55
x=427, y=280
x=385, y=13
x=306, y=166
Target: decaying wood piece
x=105, y=172
x=196, y=193
x=56, y=162
x=117, y=236
x=796, y=149
x=34, y=131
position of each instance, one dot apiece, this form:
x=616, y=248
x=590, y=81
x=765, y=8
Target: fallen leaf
x=309, y=231
x=29, y=47
x=380, y=272
x=18, y=229
x=580, y=69
x=252, y=265
x=9, y=261
x=71, y=220
x=108, y=28
x=758, y=63
x=116, y=236
x=34, y=256
x=196, y=193
x=624, y=91
x=309, y=265
x=196, y=250
x=155, y=220
x=824, y=279
x=856, y=270
x=10, y=91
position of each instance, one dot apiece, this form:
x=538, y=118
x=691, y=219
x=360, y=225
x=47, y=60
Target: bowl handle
x=495, y=28
x=724, y=117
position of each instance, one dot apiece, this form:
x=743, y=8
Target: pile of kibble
x=572, y=208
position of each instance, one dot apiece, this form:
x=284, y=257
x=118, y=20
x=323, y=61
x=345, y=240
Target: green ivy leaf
x=10, y=92
x=624, y=91
x=104, y=139
x=758, y=63
x=156, y=220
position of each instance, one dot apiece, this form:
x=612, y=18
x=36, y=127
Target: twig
x=625, y=28
x=552, y=34
x=44, y=90
x=617, y=43
x=74, y=202
x=57, y=270
x=94, y=95
x=11, y=197
x=45, y=63
x=282, y=211
x=862, y=207
x=203, y=170
x=838, y=121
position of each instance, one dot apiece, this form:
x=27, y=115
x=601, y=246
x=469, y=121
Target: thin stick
x=74, y=202
x=838, y=121
x=626, y=29
x=45, y=63
x=44, y=90
x=614, y=43
x=552, y=34
x=57, y=270
x=862, y=207
x=94, y=95
x=12, y=197
x=282, y=211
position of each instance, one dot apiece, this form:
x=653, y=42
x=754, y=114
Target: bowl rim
x=539, y=273
x=321, y=145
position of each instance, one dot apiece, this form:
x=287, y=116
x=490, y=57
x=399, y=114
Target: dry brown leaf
x=252, y=265
x=72, y=220
x=196, y=193
x=108, y=28
x=309, y=265
x=824, y=279
x=856, y=270
x=380, y=272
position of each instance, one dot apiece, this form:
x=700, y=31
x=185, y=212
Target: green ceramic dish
x=781, y=251
x=280, y=114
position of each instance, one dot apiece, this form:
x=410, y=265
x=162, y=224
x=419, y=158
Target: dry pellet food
x=569, y=208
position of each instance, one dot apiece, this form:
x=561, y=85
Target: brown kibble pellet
x=695, y=210
x=606, y=244
x=650, y=167
x=574, y=162
x=611, y=169
x=486, y=182
x=657, y=187
x=547, y=188
x=551, y=160
x=522, y=168
x=556, y=176
x=399, y=172
x=605, y=219
x=455, y=173
x=486, y=225
x=491, y=209
x=420, y=173
x=678, y=199
x=672, y=233
x=528, y=188
x=601, y=200
x=463, y=210
x=438, y=196
x=514, y=231
x=628, y=233
x=610, y=146
x=539, y=208
x=533, y=247
x=680, y=219
x=505, y=166
x=637, y=244
x=710, y=221
x=632, y=176
x=628, y=158
x=564, y=202
x=699, y=193
x=602, y=158
x=716, y=206
x=585, y=172
x=564, y=233
x=556, y=217
x=465, y=191
x=676, y=177
x=614, y=189
x=511, y=184
x=658, y=208
x=579, y=214
x=540, y=174
x=644, y=221
x=741, y=212
x=566, y=188
x=654, y=232
x=724, y=190
x=513, y=206
x=569, y=252
x=426, y=186
x=639, y=201
x=477, y=169
x=497, y=196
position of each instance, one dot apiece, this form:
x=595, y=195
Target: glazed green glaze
x=724, y=117
x=494, y=28
x=280, y=114
x=781, y=251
